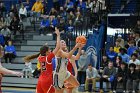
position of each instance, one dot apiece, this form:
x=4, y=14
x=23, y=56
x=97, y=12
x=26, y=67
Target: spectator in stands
x=130, y=37
x=135, y=60
x=1, y=22
x=14, y=10
x=71, y=16
x=10, y=52
x=9, y=19
x=69, y=30
x=89, y=5
x=132, y=78
x=111, y=54
x=121, y=40
x=124, y=56
x=69, y=5
x=78, y=22
x=28, y=5
x=117, y=46
x=96, y=6
x=37, y=8
x=27, y=70
x=121, y=76
x=14, y=25
x=44, y=26
x=62, y=27
x=78, y=10
x=78, y=19
x=53, y=23
x=137, y=27
x=2, y=10
x=118, y=61
x=108, y=76
x=104, y=63
x=62, y=12
x=131, y=48
x=56, y=4
x=2, y=41
x=53, y=12
x=91, y=77
x=82, y=66
x=82, y=6
x=6, y=33
x=22, y=12
x=137, y=38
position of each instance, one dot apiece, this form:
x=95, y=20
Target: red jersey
x=45, y=80
x=69, y=67
x=46, y=64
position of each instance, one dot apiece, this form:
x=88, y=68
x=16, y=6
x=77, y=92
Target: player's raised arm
x=57, y=42
x=69, y=55
x=78, y=53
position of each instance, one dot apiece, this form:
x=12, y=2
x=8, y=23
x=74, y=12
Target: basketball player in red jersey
x=4, y=71
x=72, y=65
x=45, y=58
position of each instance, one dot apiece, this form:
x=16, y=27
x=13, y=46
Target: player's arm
x=57, y=42
x=6, y=71
x=69, y=55
x=78, y=53
x=74, y=67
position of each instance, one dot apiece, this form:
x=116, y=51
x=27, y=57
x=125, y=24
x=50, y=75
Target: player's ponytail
x=43, y=51
x=30, y=57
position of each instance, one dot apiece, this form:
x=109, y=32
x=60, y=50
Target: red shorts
x=45, y=85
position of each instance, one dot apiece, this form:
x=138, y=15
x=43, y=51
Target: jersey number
x=43, y=65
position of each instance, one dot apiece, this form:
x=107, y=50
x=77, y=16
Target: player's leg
x=49, y=89
x=69, y=90
x=72, y=82
x=39, y=88
x=59, y=90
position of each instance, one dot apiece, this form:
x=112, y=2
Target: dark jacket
x=14, y=24
x=133, y=76
x=122, y=73
x=104, y=64
x=109, y=72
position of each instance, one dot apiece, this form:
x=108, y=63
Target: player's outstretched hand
x=77, y=45
x=19, y=74
x=82, y=45
x=57, y=31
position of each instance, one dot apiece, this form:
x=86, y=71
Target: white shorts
x=59, y=79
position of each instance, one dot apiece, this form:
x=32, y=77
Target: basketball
x=81, y=39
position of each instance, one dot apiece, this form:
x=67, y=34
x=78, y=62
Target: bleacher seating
x=30, y=45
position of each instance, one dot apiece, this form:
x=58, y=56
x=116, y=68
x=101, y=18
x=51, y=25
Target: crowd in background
x=67, y=17
x=120, y=63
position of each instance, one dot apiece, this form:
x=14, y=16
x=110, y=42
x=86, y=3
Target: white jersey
x=61, y=73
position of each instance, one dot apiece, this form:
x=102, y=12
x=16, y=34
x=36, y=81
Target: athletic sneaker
x=124, y=91
x=133, y=91
x=114, y=91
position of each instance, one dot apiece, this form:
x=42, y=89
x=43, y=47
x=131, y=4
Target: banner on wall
x=94, y=47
